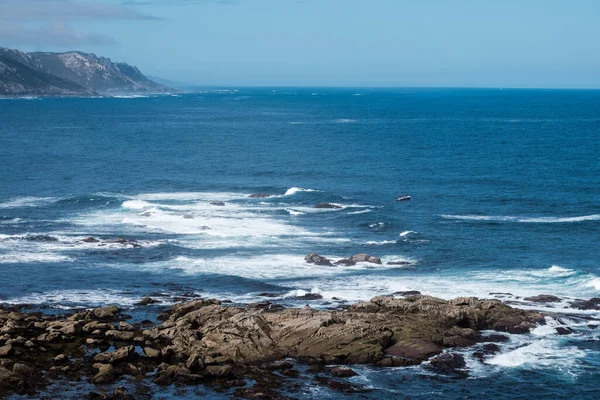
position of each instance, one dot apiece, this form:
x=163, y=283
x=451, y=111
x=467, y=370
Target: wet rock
x=265, y=305
x=60, y=358
x=365, y=258
x=7, y=351
x=345, y=262
x=152, y=352
x=591, y=304
x=398, y=263
x=22, y=370
x=265, y=294
x=120, y=335
x=106, y=374
x=561, y=330
x=275, y=365
x=343, y=372
x=407, y=293
x=448, y=363
x=494, y=338
x=259, y=196
x=90, y=239
x=5, y=374
x=309, y=296
x=490, y=348
x=217, y=203
x=40, y=238
x=314, y=258
x=147, y=301
x=188, y=216
x=327, y=205
x=106, y=312
x=543, y=298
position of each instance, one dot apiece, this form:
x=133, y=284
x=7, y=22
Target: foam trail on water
x=28, y=202
x=531, y=220
x=406, y=233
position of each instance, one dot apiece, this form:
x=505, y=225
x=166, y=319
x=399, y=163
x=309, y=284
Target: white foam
x=294, y=212
x=381, y=243
x=130, y=96
x=28, y=202
x=345, y=121
x=360, y=212
x=593, y=283
x=295, y=190
x=542, y=353
x=406, y=233
x=19, y=257
x=68, y=299
x=508, y=218
x=136, y=204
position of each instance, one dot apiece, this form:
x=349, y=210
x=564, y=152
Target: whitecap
x=136, y=204
x=381, y=243
x=406, y=233
x=294, y=212
x=295, y=190
x=28, y=202
x=68, y=299
x=360, y=212
x=345, y=121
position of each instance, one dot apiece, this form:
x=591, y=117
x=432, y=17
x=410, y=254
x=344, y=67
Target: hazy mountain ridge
x=70, y=73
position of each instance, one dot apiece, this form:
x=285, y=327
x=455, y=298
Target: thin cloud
x=40, y=10
x=47, y=22
x=56, y=34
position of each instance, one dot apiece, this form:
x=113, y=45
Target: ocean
x=505, y=188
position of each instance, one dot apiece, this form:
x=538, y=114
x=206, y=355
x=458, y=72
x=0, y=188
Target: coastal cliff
x=69, y=74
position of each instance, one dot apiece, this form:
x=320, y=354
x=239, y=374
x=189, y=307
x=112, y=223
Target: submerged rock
x=591, y=304
x=309, y=296
x=327, y=205
x=259, y=196
x=90, y=239
x=346, y=262
x=543, y=298
x=217, y=203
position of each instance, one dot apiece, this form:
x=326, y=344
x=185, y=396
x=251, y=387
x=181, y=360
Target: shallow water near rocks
x=505, y=190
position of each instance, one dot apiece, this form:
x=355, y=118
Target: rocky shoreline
x=228, y=347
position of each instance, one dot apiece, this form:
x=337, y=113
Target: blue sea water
x=505, y=188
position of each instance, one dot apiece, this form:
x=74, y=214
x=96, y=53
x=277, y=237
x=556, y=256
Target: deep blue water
x=505, y=190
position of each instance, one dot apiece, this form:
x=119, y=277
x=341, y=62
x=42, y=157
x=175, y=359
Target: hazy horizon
x=306, y=43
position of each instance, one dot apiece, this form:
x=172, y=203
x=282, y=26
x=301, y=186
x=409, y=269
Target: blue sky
x=459, y=43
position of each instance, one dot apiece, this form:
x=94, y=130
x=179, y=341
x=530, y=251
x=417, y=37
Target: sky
x=389, y=43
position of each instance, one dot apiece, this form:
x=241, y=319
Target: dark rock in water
x=543, y=298
x=327, y=205
x=259, y=196
x=563, y=330
x=500, y=294
x=40, y=238
x=265, y=294
x=90, y=239
x=365, y=258
x=265, y=305
x=495, y=338
x=448, y=363
x=314, y=258
x=188, y=216
x=407, y=293
x=591, y=304
x=343, y=372
x=593, y=326
x=309, y=296
x=399, y=263
x=217, y=203
x=147, y=301
x=345, y=262
x=491, y=348
x=275, y=365
x=125, y=242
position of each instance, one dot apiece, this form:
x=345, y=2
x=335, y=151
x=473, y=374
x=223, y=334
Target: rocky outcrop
x=316, y=259
x=205, y=340
x=365, y=258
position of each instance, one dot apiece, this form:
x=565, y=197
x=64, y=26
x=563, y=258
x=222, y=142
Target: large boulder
x=365, y=258
x=314, y=258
